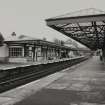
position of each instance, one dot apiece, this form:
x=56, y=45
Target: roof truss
x=88, y=30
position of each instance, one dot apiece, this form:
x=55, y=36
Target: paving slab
x=83, y=86
x=15, y=95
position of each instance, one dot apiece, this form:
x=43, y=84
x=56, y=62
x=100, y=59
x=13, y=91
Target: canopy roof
x=85, y=26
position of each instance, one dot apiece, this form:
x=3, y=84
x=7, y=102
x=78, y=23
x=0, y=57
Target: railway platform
x=82, y=84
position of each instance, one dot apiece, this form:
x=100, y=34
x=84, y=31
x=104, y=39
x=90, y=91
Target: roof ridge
x=81, y=12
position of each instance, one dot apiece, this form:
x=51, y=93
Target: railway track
x=42, y=71
x=12, y=83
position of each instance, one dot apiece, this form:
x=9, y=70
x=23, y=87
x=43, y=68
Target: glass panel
x=15, y=52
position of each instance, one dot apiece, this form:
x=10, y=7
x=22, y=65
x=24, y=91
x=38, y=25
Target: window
x=15, y=52
x=38, y=49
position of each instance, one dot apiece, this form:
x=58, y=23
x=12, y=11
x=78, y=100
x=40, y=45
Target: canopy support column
x=103, y=49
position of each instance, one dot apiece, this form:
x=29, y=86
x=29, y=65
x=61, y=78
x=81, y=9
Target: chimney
x=13, y=34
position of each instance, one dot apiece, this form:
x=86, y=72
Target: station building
x=27, y=49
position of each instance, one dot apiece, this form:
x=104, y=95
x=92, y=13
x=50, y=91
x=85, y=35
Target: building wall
x=18, y=60
x=30, y=53
x=4, y=53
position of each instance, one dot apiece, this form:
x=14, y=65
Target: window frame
x=15, y=51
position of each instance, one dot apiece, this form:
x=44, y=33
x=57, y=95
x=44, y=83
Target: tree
x=22, y=36
x=1, y=39
x=57, y=41
x=72, y=42
x=44, y=39
x=62, y=42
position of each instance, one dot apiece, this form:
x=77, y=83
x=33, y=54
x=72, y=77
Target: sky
x=27, y=17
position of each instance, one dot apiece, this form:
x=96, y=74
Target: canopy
x=85, y=26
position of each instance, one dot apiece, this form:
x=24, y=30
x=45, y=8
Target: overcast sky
x=28, y=16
